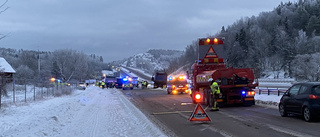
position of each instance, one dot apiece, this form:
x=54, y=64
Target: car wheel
x=282, y=110
x=307, y=114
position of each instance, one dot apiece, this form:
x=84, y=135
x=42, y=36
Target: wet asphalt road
x=171, y=113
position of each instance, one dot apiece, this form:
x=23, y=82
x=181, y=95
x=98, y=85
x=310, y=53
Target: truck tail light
x=248, y=93
x=197, y=97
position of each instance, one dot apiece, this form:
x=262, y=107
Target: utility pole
x=39, y=65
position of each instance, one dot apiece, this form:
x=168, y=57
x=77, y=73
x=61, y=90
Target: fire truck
x=177, y=84
x=236, y=84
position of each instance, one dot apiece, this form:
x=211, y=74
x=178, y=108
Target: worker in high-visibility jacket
x=215, y=91
x=103, y=85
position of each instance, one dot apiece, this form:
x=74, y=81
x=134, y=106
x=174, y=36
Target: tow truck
x=236, y=84
x=177, y=84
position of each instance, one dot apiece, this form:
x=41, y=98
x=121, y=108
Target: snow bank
x=91, y=112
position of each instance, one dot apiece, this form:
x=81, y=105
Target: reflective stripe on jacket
x=215, y=88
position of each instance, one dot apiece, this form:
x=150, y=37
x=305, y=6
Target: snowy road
x=90, y=113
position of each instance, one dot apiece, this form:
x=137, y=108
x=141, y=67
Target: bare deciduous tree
x=70, y=63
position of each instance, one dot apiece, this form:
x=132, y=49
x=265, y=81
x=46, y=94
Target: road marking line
x=173, y=112
x=288, y=131
x=182, y=104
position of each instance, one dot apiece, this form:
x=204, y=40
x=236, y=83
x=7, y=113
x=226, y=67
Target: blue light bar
x=125, y=79
x=243, y=92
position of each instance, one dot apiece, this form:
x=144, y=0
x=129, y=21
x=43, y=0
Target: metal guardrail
x=288, y=80
x=273, y=91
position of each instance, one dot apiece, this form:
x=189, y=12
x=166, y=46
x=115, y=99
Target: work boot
x=214, y=109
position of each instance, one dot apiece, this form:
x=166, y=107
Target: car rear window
x=316, y=90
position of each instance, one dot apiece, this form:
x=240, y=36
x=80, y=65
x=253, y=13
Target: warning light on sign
x=215, y=40
x=210, y=41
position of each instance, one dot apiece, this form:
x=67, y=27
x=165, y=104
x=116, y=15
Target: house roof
x=5, y=66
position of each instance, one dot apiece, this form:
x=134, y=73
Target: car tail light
x=314, y=97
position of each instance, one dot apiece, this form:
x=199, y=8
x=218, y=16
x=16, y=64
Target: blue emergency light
x=125, y=79
x=243, y=92
x=170, y=78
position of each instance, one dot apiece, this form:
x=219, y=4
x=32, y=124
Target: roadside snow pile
x=264, y=99
x=90, y=112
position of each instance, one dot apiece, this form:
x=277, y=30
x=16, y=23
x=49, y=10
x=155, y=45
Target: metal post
x=34, y=92
x=268, y=91
x=14, y=90
x=25, y=91
x=0, y=95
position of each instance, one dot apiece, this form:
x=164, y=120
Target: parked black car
x=302, y=99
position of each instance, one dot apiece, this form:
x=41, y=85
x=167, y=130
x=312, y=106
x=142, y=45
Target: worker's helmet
x=210, y=79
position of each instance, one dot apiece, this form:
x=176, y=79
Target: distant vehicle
x=119, y=83
x=81, y=86
x=127, y=83
x=135, y=81
x=159, y=79
x=302, y=99
x=177, y=84
x=90, y=81
x=109, y=80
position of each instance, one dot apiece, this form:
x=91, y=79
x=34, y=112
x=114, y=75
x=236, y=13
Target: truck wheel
x=206, y=98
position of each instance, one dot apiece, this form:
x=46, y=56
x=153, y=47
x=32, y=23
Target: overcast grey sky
x=116, y=29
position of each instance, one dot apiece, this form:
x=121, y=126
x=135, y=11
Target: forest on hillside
x=66, y=64
x=286, y=39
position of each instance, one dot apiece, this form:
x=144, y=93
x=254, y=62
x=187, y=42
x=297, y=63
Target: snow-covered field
x=87, y=113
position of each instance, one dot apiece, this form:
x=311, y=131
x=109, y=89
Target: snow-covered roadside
x=90, y=112
x=267, y=100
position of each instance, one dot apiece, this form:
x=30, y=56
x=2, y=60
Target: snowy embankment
x=91, y=112
x=273, y=85
x=267, y=100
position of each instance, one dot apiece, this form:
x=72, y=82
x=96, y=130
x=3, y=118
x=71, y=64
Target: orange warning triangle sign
x=211, y=53
x=199, y=114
